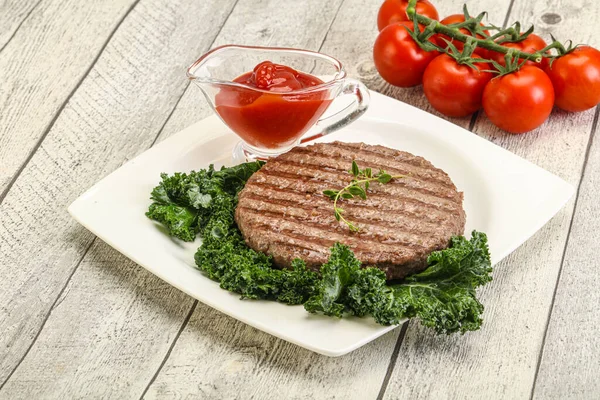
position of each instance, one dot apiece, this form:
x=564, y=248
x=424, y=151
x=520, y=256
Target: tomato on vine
x=453, y=88
x=576, y=79
x=392, y=11
x=531, y=44
x=458, y=19
x=533, y=76
x=398, y=58
x=519, y=101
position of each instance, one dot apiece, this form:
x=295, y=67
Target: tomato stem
x=560, y=48
x=511, y=34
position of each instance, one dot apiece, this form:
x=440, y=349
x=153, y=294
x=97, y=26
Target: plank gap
x=19, y=26
x=474, y=120
x=393, y=360
x=510, y=7
x=168, y=354
x=63, y=105
x=54, y=304
x=331, y=24
x=562, y=262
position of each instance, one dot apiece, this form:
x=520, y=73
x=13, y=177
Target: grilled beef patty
x=282, y=211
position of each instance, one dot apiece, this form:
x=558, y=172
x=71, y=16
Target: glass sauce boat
x=270, y=123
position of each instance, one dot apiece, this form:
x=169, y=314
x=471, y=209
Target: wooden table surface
x=87, y=85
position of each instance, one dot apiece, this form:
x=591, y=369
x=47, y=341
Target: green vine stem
x=511, y=34
x=464, y=57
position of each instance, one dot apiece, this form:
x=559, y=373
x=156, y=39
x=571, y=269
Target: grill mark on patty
x=424, y=170
x=378, y=152
x=373, y=198
x=418, y=211
x=325, y=149
x=323, y=246
x=315, y=257
x=340, y=179
x=299, y=243
x=320, y=258
x=339, y=163
x=311, y=213
x=366, y=235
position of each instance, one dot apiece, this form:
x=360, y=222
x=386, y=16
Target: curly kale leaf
x=183, y=189
x=180, y=221
x=442, y=297
x=242, y=270
x=182, y=202
x=336, y=274
x=297, y=284
x=370, y=295
x=224, y=257
x=465, y=262
x=234, y=179
x=178, y=200
x=346, y=288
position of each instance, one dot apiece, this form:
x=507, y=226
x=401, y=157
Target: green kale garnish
x=183, y=202
x=442, y=297
x=337, y=274
x=180, y=221
x=203, y=203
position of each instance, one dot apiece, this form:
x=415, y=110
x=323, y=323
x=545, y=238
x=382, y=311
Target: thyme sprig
x=357, y=187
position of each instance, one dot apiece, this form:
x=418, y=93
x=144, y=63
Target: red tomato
x=519, y=102
x=398, y=58
x=576, y=79
x=532, y=44
x=455, y=89
x=457, y=19
x=392, y=11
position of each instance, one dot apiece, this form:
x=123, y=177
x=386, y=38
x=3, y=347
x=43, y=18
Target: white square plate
x=505, y=196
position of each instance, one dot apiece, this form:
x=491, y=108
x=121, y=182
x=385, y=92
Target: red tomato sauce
x=275, y=119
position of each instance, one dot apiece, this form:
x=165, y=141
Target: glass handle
x=346, y=116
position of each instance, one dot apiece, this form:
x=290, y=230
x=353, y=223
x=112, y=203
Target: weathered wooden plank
x=569, y=364
x=12, y=15
x=117, y=112
x=42, y=64
x=500, y=360
x=217, y=357
x=109, y=301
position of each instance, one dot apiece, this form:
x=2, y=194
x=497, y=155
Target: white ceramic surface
x=505, y=196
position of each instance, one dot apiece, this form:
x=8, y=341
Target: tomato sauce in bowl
x=277, y=114
x=271, y=105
